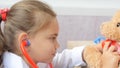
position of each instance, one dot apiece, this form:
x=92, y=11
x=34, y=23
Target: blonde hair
x=28, y=16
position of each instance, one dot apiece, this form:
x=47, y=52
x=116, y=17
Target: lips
x=54, y=54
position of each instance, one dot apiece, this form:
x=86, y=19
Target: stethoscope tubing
x=32, y=63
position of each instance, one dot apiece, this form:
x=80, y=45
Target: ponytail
x=3, y=14
x=2, y=42
x=0, y=19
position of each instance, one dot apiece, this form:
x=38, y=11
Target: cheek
x=48, y=46
x=42, y=50
x=45, y=46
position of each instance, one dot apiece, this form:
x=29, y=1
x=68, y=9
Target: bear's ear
x=116, y=16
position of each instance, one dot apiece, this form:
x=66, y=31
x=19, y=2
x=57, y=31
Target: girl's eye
x=118, y=24
x=52, y=38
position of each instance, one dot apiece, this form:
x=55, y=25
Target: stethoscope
x=27, y=43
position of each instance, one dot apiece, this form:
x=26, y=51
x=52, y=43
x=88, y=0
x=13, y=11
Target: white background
x=77, y=7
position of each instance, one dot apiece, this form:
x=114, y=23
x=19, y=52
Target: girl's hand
x=110, y=57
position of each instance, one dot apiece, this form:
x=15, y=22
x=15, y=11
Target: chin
x=49, y=61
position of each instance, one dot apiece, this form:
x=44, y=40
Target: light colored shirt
x=67, y=59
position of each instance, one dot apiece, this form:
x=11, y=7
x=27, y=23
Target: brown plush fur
x=110, y=30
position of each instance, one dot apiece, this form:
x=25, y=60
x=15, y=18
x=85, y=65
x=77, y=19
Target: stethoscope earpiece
x=28, y=42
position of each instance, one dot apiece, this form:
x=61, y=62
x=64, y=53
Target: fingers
x=112, y=48
x=110, y=55
x=116, y=57
x=116, y=53
x=113, y=51
x=106, y=46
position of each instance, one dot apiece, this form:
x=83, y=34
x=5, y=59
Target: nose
x=57, y=45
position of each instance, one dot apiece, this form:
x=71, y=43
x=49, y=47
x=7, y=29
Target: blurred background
x=79, y=20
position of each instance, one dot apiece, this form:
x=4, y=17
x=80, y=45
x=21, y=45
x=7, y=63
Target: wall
x=77, y=27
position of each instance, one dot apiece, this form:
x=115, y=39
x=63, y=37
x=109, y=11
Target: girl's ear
x=22, y=36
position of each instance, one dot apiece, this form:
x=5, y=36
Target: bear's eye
x=118, y=24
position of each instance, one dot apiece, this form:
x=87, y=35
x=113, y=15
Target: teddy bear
x=111, y=31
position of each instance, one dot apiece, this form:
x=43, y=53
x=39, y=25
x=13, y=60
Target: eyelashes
x=52, y=38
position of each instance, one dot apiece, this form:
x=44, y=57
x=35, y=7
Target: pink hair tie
x=3, y=13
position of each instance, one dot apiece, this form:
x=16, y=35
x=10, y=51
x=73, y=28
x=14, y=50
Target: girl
x=29, y=37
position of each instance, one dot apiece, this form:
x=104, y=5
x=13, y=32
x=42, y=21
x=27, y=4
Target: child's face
x=44, y=44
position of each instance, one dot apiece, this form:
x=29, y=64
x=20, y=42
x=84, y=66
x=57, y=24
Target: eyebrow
x=54, y=34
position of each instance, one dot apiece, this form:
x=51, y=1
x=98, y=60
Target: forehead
x=52, y=28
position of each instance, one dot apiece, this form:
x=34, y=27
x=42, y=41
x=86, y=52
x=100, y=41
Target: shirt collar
x=11, y=60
